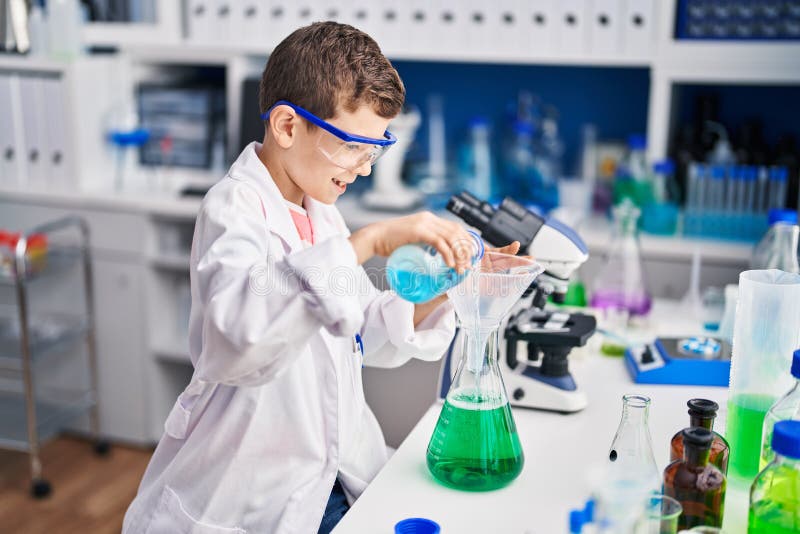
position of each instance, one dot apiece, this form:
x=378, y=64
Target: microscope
x=535, y=342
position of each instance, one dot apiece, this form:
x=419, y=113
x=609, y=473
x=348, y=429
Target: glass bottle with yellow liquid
x=475, y=445
x=775, y=494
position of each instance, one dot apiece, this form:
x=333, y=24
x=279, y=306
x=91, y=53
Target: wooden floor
x=90, y=493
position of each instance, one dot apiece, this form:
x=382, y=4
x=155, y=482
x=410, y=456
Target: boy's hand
x=448, y=237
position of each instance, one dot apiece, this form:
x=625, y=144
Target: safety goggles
x=345, y=150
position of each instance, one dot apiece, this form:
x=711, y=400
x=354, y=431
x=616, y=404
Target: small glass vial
x=775, y=493
x=697, y=484
x=702, y=413
x=418, y=272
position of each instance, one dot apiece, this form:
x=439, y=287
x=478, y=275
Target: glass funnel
x=620, y=284
x=475, y=446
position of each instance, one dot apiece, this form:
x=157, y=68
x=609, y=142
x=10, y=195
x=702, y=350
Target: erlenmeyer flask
x=632, y=448
x=475, y=445
x=620, y=284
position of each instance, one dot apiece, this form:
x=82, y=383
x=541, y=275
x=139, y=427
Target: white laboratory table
x=559, y=451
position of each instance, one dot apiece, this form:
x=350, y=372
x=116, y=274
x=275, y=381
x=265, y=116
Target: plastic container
x=766, y=332
x=787, y=407
x=418, y=272
x=775, y=493
x=779, y=247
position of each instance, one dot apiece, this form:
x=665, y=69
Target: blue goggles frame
x=388, y=138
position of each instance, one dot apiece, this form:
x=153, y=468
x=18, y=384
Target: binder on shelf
x=479, y=28
x=278, y=21
x=505, y=28
x=570, y=27
x=446, y=18
x=362, y=15
x=56, y=152
x=539, y=20
x=199, y=17
x=638, y=28
x=222, y=22
x=605, y=28
x=12, y=151
x=246, y=19
x=391, y=28
x=35, y=132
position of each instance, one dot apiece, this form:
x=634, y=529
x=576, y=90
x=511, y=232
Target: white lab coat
x=275, y=408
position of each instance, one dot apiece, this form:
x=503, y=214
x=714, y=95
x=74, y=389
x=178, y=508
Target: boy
x=273, y=427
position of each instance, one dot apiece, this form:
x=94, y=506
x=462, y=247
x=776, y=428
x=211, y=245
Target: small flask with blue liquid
x=418, y=272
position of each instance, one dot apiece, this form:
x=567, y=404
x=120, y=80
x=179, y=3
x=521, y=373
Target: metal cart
x=26, y=419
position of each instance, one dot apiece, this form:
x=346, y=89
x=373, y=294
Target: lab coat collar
x=248, y=167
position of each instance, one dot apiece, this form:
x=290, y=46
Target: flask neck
x=635, y=410
x=793, y=463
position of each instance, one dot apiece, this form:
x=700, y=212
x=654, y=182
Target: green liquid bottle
x=745, y=421
x=475, y=446
x=775, y=494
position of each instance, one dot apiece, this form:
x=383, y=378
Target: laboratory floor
x=90, y=493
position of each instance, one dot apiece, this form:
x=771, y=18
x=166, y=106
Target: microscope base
x=529, y=392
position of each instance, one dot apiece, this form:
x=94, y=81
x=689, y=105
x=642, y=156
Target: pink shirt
x=302, y=222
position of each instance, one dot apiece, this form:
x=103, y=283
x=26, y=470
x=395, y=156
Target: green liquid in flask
x=745, y=421
x=475, y=446
x=778, y=512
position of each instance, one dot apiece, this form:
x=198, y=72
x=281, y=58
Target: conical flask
x=620, y=284
x=475, y=445
x=631, y=451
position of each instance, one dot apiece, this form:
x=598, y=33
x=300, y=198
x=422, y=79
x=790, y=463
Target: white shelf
x=33, y=63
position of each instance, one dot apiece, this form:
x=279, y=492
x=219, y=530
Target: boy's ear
x=282, y=124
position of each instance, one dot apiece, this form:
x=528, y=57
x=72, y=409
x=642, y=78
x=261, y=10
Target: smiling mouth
x=339, y=183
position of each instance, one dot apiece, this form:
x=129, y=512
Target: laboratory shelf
x=171, y=262
x=172, y=352
x=60, y=259
x=48, y=333
x=52, y=415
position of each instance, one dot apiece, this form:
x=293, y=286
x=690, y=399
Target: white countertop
x=559, y=449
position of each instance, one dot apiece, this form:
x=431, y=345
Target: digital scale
x=691, y=361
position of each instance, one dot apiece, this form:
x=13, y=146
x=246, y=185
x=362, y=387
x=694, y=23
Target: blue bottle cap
x=778, y=174
x=718, y=172
x=523, y=127
x=417, y=525
x=576, y=521
x=796, y=364
x=664, y=167
x=780, y=215
x=637, y=142
x=786, y=439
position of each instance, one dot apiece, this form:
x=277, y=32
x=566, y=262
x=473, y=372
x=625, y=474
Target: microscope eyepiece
x=471, y=210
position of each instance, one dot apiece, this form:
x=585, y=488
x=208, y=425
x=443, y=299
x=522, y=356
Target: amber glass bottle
x=697, y=484
x=702, y=413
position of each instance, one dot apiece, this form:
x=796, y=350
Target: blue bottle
x=418, y=272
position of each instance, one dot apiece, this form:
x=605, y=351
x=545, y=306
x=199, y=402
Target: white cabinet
x=121, y=348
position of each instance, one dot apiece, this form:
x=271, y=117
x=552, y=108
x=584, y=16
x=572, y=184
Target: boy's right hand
x=448, y=237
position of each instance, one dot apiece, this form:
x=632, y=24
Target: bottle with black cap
x=787, y=407
x=775, y=493
x=697, y=484
x=702, y=413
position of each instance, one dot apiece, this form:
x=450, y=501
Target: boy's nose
x=365, y=169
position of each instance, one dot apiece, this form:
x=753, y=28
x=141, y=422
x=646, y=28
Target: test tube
x=761, y=189
x=732, y=193
x=777, y=187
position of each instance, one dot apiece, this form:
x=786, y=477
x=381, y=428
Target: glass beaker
x=660, y=516
x=632, y=448
x=620, y=284
x=765, y=334
x=475, y=446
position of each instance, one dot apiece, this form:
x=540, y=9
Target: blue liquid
x=416, y=287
